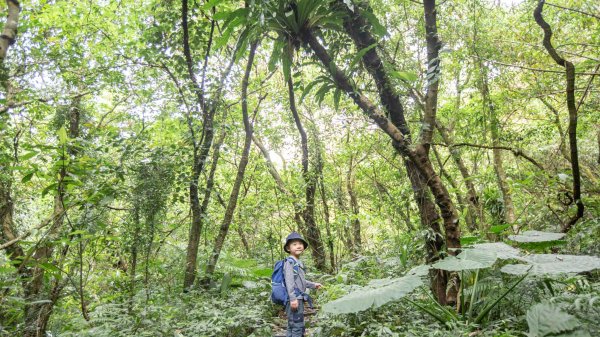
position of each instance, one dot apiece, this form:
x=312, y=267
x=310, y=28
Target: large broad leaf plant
x=544, y=319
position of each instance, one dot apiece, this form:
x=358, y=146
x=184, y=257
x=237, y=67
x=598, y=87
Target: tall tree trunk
x=509, y=208
x=8, y=37
x=570, y=93
x=196, y=231
x=475, y=207
x=416, y=155
x=340, y=198
x=231, y=205
x=326, y=215
x=8, y=233
x=444, y=173
x=418, y=164
x=38, y=312
x=356, y=235
x=9, y=33
x=313, y=235
x=134, y=257
x=201, y=148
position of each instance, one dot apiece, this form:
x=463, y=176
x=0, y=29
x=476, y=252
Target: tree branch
x=574, y=10
x=516, y=152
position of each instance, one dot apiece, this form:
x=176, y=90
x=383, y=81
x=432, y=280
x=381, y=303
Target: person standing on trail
x=296, y=284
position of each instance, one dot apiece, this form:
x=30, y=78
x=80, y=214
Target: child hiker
x=296, y=284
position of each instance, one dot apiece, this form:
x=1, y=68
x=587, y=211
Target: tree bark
x=200, y=150
x=37, y=314
x=416, y=155
x=326, y=215
x=570, y=93
x=501, y=179
x=356, y=235
x=313, y=235
x=8, y=38
x=473, y=198
x=231, y=205
x=418, y=164
x=196, y=231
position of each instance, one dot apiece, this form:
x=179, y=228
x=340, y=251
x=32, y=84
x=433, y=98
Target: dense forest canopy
x=440, y=157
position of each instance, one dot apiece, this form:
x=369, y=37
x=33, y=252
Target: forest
x=441, y=159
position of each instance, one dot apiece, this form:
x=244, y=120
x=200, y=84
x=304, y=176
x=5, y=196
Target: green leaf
x=49, y=267
x=210, y=4
x=536, y=236
x=38, y=302
x=287, y=65
x=275, y=55
x=467, y=240
x=468, y=259
x=545, y=319
x=62, y=136
x=309, y=87
x=405, y=76
x=499, y=228
x=552, y=264
x=379, y=293
x=320, y=94
x=360, y=54
x=28, y=155
x=501, y=249
x=27, y=177
x=336, y=98
x=235, y=18
x=452, y=263
x=377, y=27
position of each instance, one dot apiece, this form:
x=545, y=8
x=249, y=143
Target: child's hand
x=318, y=285
x=294, y=305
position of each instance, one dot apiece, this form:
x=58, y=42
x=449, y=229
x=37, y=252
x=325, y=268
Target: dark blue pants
x=295, y=320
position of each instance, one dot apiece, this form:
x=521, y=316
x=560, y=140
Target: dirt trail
x=280, y=322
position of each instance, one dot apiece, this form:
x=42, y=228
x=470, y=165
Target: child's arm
x=288, y=278
x=313, y=285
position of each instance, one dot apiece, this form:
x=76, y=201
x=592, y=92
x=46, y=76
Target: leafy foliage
x=375, y=294
x=548, y=320
x=542, y=264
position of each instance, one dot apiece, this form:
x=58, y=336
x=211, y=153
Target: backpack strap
x=295, y=265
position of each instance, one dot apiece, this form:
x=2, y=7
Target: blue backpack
x=279, y=294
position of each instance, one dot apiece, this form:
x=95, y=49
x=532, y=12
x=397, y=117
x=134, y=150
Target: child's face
x=296, y=247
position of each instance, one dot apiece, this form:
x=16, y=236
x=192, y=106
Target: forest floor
x=280, y=322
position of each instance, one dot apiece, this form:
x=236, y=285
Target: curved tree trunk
x=313, y=235
x=232, y=203
x=417, y=155
x=418, y=164
x=570, y=93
